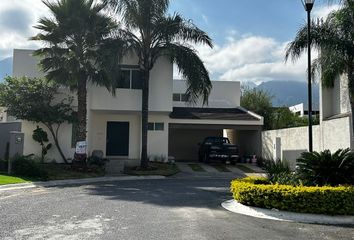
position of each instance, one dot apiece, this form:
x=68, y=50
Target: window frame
x=130, y=68
x=182, y=97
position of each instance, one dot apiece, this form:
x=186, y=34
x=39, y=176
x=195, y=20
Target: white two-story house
x=175, y=127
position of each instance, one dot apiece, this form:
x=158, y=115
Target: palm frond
x=176, y=28
x=192, y=69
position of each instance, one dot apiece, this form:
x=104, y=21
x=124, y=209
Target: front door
x=117, y=142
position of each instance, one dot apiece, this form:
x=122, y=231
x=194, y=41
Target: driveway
x=175, y=208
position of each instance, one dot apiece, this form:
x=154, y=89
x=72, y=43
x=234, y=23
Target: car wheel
x=200, y=158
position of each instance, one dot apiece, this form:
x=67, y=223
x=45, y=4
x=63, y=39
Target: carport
x=189, y=126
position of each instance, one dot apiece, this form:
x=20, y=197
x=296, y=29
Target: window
x=130, y=79
x=184, y=97
x=179, y=97
x=137, y=82
x=124, y=79
x=176, y=97
x=158, y=126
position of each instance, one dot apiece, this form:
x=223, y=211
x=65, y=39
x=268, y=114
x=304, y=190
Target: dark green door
x=117, y=143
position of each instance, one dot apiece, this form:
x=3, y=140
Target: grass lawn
x=245, y=169
x=161, y=169
x=5, y=179
x=61, y=172
x=220, y=167
x=196, y=167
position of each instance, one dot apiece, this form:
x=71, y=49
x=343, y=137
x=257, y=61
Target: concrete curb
x=76, y=182
x=236, y=207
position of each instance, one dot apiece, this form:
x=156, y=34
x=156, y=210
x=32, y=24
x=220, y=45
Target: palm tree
x=150, y=34
x=334, y=37
x=77, y=39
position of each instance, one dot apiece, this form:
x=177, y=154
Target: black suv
x=218, y=148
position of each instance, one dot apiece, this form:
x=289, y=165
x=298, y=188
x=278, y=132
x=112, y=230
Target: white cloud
x=251, y=58
x=322, y=11
x=15, y=32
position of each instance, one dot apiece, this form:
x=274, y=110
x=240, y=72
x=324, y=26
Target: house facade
x=175, y=126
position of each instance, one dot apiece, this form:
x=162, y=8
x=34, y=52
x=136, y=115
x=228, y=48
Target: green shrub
x=25, y=166
x=3, y=166
x=259, y=192
x=279, y=172
x=324, y=168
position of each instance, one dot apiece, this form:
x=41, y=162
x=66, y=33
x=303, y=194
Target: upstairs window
x=130, y=79
x=179, y=97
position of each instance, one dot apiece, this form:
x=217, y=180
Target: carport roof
x=211, y=113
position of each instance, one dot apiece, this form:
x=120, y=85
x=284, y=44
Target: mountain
x=248, y=85
x=288, y=93
x=5, y=68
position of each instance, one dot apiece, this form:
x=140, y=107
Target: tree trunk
x=56, y=142
x=144, y=118
x=81, y=110
x=351, y=91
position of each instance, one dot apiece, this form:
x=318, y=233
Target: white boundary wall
x=289, y=143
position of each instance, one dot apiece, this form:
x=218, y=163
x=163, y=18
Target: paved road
x=154, y=209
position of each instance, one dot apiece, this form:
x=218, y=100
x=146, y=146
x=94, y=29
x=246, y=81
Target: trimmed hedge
x=259, y=192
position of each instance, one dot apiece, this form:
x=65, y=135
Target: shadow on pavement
x=197, y=193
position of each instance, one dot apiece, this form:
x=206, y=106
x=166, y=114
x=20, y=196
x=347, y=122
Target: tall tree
x=78, y=37
x=151, y=33
x=33, y=99
x=260, y=102
x=334, y=37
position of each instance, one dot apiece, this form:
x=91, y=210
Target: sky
x=250, y=37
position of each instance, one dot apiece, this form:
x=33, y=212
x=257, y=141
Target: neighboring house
x=334, y=132
x=175, y=127
x=302, y=110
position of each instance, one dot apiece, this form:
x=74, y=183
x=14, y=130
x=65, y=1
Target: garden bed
x=161, y=169
x=258, y=192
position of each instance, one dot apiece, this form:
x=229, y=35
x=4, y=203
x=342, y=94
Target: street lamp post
x=308, y=5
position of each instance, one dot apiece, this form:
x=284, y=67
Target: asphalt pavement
x=175, y=208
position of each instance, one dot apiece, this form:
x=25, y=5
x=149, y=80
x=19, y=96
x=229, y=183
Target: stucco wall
x=158, y=140
x=223, y=94
x=33, y=147
x=332, y=134
x=335, y=100
x=25, y=64
x=248, y=141
x=160, y=93
x=98, y=131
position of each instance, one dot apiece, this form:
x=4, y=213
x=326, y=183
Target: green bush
x=3, y=166
x=259, y=192
x=279, y=172
x=324, y=168
x=25, y=166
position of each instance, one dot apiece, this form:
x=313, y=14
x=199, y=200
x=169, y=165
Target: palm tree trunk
x=144, y=118
x=351, y=90
x=81, y=110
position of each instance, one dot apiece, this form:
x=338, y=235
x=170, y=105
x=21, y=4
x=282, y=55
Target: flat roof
x=211, y=114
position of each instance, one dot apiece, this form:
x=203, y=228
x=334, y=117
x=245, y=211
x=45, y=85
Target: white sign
x=80, y=147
